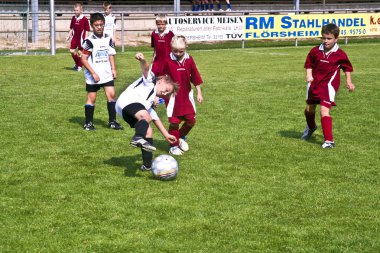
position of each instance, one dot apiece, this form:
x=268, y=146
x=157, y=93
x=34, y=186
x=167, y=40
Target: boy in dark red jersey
x=78, y=27
x=182, y=69
x=323, y=65
x=160, y=41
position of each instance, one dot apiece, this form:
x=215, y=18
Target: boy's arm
x=199, y=93
x=309, y=75
x=89, y=68
x=170, y=138
x=70, y=35
x=143, y=64
x=350, y=85
x=113, y=67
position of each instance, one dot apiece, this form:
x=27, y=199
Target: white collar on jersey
x=186, y=56
x=80, y=16
x=165, y=32
x=334, y=49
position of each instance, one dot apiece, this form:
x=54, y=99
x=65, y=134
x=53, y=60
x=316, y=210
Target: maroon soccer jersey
x=79, y=25
x=326, y=72
x=161, y=45
x=184, y=73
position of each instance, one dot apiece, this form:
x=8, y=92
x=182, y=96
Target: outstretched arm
x=170, y=138
x=143, y=64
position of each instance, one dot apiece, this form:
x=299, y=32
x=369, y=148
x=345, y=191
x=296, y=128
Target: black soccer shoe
x=144, y=168
x=89, y=126
x=115, y=125
x=141, y=142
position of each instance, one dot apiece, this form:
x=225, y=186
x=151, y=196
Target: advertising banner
x=291, y=26
x=208, y=28
x=309, y=26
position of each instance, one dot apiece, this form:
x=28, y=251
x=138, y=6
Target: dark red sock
x=310, y=119
x=75, y=57
x=79, y=61
x=173, y=130
x=186, y=127
x=327, y=128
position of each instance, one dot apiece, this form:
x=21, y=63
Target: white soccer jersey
x=110, y=25
x=100, y=49
x=142, y=91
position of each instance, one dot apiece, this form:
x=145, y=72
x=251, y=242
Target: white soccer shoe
x=183, y=145
x=175, y=151
x=328, y=144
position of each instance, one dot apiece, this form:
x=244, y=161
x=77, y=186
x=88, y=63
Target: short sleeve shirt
x=99, y=51
x=79, y=25
x=110, y=24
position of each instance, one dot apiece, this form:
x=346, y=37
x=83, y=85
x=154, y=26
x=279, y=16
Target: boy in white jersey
x=98, y=57
x=110, y=21
x=136, y=104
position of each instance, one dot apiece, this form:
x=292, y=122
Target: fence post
x=27, y=29
x=122, y=32
x=52, y=28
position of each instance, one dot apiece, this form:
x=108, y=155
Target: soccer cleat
x=144, y=168
x=183, y=145
x=175, y=151
x=115, y=125
x=307, y=133
x=229, y=9
x=328, y=144
x=75, y=68
x=141, y=142
x=89, y=126
x=78, y=69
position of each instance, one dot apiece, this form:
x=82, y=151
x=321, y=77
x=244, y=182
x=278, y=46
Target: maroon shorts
x=178, y=119
x=321, y=94
x=76, y=43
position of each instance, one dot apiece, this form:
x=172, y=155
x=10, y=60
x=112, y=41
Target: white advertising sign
x=208, y=28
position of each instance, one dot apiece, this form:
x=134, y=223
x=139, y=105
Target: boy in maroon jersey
x=78, y=27
x=323, y=65
x=160, y=41
x=181, y=67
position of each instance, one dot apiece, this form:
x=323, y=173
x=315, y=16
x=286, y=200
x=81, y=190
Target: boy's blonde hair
x=161, y=17
x=179, y=42
x=78, y=5
x=170, y=81
x=106, y=4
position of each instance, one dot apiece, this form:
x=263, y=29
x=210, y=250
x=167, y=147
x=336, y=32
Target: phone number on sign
x=352, y=32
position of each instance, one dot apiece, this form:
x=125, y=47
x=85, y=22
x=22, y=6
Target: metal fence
x=29, y=32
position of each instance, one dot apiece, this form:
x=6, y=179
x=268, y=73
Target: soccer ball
x=164, y=167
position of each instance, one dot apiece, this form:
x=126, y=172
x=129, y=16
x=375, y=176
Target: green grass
x=248, y=184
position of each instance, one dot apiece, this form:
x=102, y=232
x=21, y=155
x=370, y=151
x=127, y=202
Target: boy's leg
x=75, y=58
x=187, y=125
x=109, y=89
x=79, y=59
x=142, y=131
x=89, y=109
x=311, y=126
x=174, y=130
x=326, y=122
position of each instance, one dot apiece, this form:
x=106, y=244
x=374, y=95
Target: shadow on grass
x=129, y=163
x=69, y=68
x=80, y=121
x=297, y=135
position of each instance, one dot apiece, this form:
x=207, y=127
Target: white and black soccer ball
x=165, y=167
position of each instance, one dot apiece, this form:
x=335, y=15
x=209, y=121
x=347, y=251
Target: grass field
x=248, y=184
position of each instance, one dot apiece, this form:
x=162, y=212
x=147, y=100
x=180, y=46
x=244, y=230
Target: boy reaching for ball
x=136, y=106
x=323, y=65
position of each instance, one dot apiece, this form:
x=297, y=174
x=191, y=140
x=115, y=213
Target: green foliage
x=248, y=184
